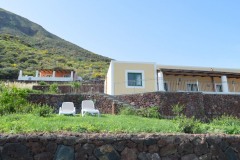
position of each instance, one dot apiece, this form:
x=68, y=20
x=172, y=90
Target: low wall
x=84, y=88
x=102, y=102
x=202, y=106
x=196, y=104
x=117, y=147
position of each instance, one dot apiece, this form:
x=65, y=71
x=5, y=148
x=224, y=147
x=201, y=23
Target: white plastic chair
x=88, y=107
x=67, y=108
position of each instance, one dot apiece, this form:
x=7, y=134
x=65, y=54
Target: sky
x=170, y=32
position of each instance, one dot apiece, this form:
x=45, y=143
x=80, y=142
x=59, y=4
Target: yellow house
x=139, y=77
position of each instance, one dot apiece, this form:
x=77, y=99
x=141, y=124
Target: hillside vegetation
x=28, y=46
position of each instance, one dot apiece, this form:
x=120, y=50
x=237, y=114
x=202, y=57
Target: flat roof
x=198, y=71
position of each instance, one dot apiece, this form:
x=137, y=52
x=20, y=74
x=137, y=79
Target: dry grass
x=20, y=84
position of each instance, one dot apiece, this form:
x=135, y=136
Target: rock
x=43, y=156
x=51, y=147
x=119, y=146
x=106, y=152
x=35, y=147
x=142, y=156
x=153, y=148
x=168, y=150
x=185, y=148
x=206, y=157
x=201, y=149
x=15, y=151
x=148, y=156
x=155, y=156
x=189, y=157
x=64, y=153
x=92, y=158
x=131, y=144
x=150, y=141
x=217, y=153
x=231, y=154
x=69, y=141
x=224, y=145
x=129, y=154
x=88, y=148
x=141, y=147
x=161, y=143
x=166, y=158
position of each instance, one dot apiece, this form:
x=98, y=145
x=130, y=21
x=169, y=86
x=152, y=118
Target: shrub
x=149, y=112
x=53, y=88
x=43, y=111
x=75, y=85
x=226, y=120
x=178, y=109
x=128, y=110
x=12, y=100
x=188, y=125
x=42, y=83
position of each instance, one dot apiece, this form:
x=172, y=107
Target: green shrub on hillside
x=42, y=110
x=128, y=111
x=178, y=109
x=42, y=83
x=53, y=88
x=149, y=112
x=12, y=100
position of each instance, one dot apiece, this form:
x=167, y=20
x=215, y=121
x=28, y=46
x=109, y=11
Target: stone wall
x=84, y=88
x=202, y=106
x=119, y=147
x=196, y=104
x=102, y=102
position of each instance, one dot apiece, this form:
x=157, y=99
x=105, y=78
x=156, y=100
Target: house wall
x=57, y=73
x=120, y=70
x=45, y=74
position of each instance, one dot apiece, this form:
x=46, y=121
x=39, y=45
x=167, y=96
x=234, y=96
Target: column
x=54, y=73
x=72, y=75
x=224, y=84
x=37, y=73
x=20, y=74
x=160, y=81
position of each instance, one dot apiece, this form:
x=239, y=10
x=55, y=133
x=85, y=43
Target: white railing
x=31, y=78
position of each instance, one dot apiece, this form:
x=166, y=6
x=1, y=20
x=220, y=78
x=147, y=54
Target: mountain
x=28, y=46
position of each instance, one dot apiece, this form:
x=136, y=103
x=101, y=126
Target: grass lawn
x=29, y=123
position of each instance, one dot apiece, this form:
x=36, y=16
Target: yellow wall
x=120, y=83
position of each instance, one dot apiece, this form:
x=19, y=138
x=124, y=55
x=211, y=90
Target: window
x=218, y=88
x=134, y=79
x=192, y=87
x=165, y=86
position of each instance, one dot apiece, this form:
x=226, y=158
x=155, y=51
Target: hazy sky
x=170, y=32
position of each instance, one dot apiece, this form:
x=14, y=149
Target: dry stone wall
x=102, y=102
x=202, y=106
x=119, y=147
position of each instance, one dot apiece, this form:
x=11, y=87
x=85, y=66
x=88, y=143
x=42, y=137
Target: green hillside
x=28, y=46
